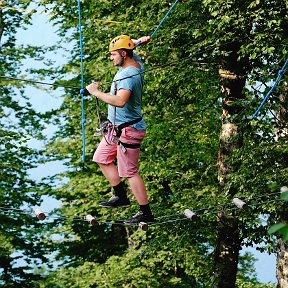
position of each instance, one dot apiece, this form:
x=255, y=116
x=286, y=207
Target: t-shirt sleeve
x=126, y=83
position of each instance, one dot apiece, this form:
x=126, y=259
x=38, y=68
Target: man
x=127, y=128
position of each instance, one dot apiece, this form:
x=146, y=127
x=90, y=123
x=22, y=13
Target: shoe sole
x=143, y=225
x=137, y=223
x=108, y=206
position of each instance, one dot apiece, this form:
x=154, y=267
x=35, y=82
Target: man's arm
x=143, y=40
x=118, y=100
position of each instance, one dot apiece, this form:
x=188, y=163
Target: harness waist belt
x=119, y=128
x=126, y=124
x=127, y=145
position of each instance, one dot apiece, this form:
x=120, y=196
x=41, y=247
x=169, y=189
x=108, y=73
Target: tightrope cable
x=160, y=66
x=179, y=217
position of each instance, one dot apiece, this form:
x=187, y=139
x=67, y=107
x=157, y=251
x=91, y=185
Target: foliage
x=171, y=181
x=280, y=228
x=141, y=267
x=182, y=108
x=21, y=247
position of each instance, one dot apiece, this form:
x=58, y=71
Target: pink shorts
x=127, y=162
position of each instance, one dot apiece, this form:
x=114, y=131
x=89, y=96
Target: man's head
x=121, y=47
x=121, y=42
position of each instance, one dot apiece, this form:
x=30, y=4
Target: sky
x=42, y=33
x=265, y=265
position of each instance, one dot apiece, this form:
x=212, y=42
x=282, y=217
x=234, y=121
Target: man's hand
x=142, y=40
x=93, y=88
x=118, y=100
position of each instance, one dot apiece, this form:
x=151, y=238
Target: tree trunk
x=282, y=264
x=228, y=239
x=1, y=25
x=226, y=252
x=282, y=247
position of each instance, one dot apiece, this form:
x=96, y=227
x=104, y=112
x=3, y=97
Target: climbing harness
x=118, y=129
x=112, y=133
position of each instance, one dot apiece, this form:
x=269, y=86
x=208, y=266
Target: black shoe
x=116, y=201
x=140, y=217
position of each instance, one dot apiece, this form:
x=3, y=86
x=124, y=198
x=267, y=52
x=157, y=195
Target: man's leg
x=119, y=198
x=128, y=168
x=111, y=173
x=104, y=156
x=138, y=188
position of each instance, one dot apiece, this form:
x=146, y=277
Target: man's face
x=116, y=58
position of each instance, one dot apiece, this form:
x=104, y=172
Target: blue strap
x=82, y=83
x=272, y=88
x=161, y=22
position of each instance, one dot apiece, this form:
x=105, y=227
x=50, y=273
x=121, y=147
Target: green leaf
x=284, y=196
x=277, y=228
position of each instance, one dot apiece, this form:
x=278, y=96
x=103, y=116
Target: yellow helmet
x=121, y=42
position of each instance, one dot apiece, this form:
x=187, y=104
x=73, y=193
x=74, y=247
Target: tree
x=21, y=246
x=182, y=101
x=239, y=24
x=282, y=228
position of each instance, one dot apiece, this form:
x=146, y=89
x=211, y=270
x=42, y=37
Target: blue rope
x=161, y=22
x=164, y=18
x=82, y=83
x=272, y=88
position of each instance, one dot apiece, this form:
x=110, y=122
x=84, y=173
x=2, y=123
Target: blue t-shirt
x=130, y=78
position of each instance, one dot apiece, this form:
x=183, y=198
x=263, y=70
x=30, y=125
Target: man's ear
x=123, y=54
